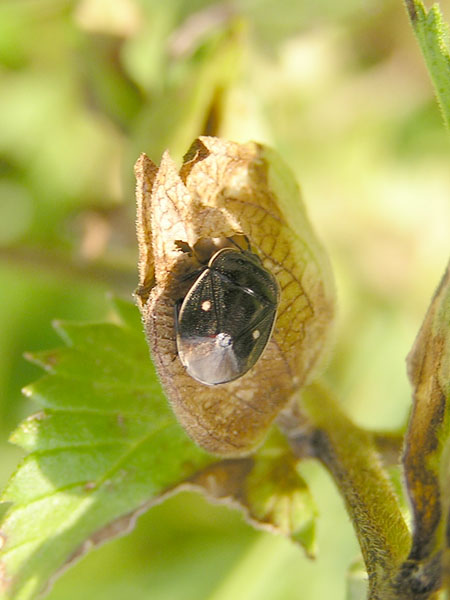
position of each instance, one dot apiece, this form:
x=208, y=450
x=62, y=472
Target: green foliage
x=86, y=86
x=106, y=445
x=103, y=445
x=433, y=36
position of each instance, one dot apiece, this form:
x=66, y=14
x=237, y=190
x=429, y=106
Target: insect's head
x=202, y=251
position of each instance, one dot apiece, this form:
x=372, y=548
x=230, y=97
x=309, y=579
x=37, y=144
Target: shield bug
x=226, y=319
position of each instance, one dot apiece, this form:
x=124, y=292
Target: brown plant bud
x=240, y=197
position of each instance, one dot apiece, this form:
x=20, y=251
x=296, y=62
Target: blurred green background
x=341, y=91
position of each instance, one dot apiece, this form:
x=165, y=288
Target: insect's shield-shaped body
x=227, y=317
x=235, y=291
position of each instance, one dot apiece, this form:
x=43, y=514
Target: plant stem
x=61, y=265
x=349, y=453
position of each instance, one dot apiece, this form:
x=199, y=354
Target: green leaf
x=432, y=34
x=279, y=497
x=268, y=488
x=105, y=446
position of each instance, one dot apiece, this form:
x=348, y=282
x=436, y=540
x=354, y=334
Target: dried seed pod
x=240, y=197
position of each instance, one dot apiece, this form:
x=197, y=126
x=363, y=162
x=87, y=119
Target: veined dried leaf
x=426, y=458
x=229, y=191
x=268, y=488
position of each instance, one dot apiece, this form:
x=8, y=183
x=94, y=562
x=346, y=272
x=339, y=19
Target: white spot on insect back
x=206, y=305
x=223, y=340
x=256, y=334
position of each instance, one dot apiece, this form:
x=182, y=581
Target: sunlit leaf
x=105, y=445
x=432, y=34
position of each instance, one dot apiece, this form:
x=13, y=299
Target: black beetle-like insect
x=226, y=319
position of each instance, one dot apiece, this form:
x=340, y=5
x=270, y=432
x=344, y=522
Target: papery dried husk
x=228, y=190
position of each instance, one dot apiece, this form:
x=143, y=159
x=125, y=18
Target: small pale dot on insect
x=206, y=305
x=256, y=334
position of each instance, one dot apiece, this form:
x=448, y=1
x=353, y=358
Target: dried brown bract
x=228, y=194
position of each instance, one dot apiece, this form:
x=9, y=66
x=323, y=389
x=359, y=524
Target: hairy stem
x=350, y=454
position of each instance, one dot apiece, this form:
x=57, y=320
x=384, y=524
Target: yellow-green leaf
x=433, y=36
